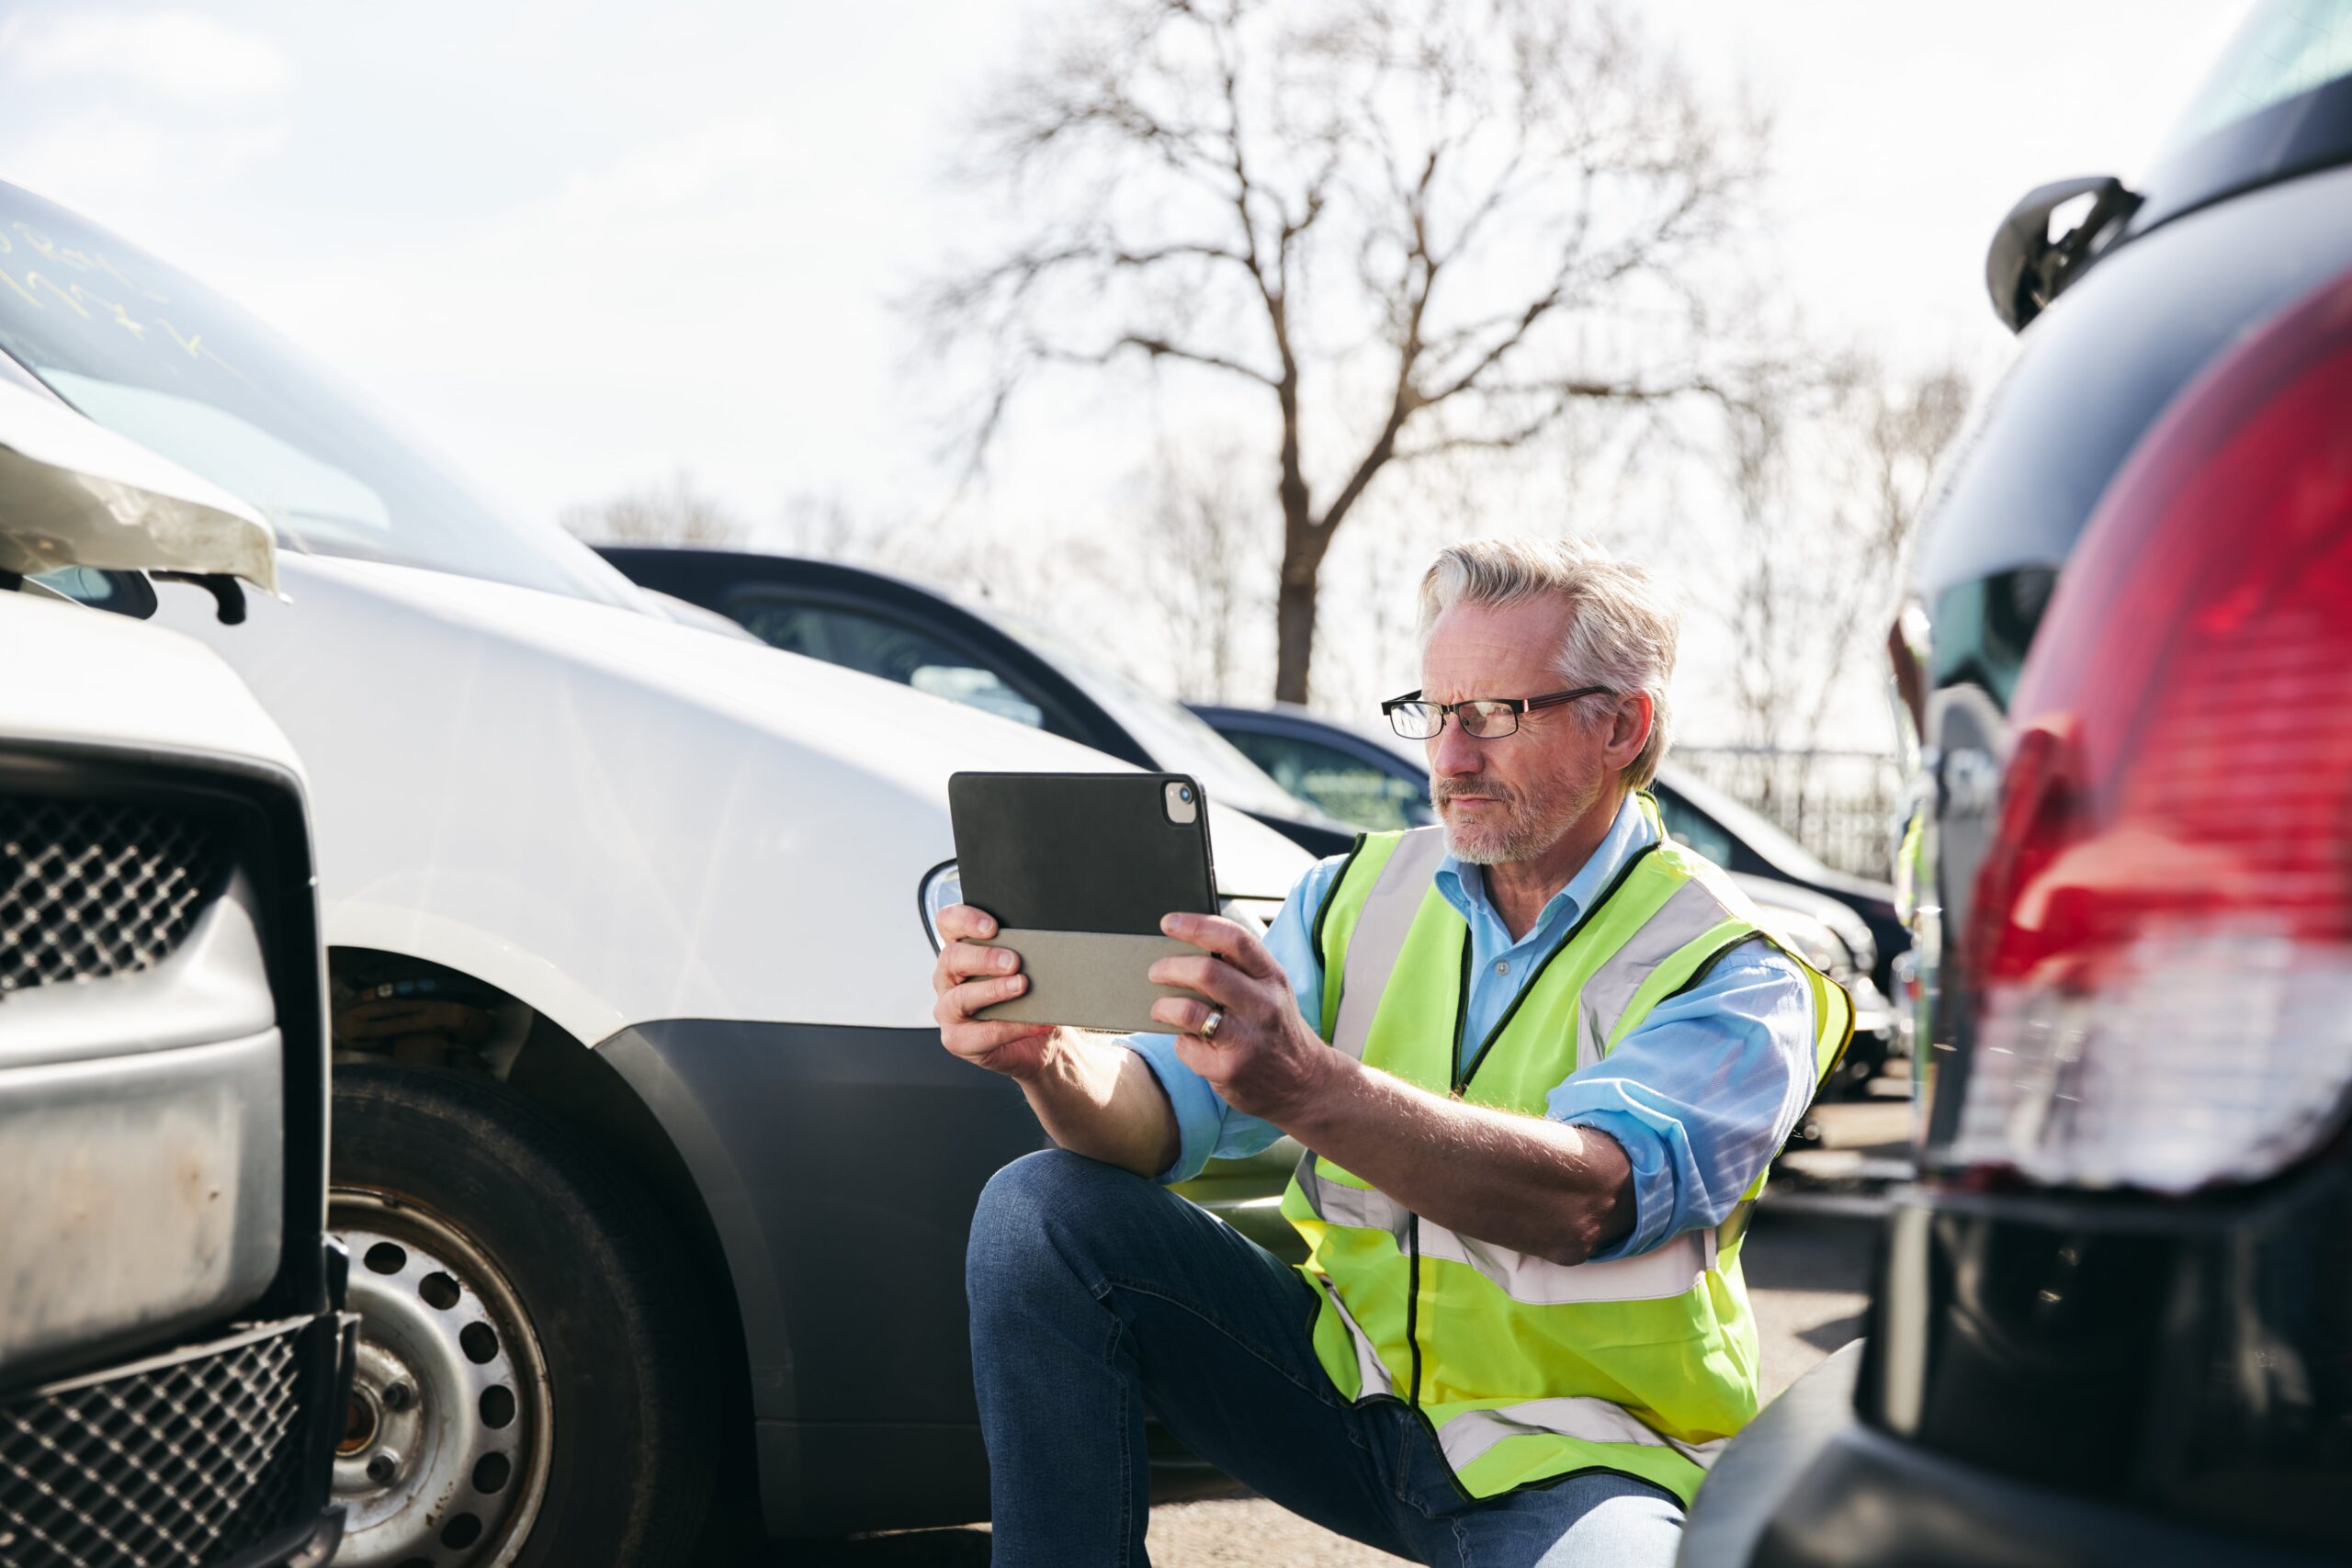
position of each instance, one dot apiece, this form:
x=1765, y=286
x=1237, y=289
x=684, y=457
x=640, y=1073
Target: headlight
x=943, y=884
x=1807, y=938
x=1855, y=932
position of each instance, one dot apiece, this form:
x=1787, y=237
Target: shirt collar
x=1629, y=833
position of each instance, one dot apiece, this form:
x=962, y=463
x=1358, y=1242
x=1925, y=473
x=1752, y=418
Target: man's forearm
x=1559, y=1193
x=1102, y=1100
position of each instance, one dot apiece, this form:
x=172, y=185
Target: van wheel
x=527, y=1390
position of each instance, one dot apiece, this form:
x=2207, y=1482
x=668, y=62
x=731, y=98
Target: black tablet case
x=1078, y=869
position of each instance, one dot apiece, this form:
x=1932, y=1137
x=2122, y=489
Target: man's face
x=1511, y=798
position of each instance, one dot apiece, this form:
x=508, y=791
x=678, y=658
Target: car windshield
x=2285, y=47
x=1180, y=740
x=148, y=351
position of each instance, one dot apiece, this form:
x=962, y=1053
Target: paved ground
x=1807, y=1274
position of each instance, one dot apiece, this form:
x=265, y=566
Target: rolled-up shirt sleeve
x=1704, y=1094
x=1207, y=1128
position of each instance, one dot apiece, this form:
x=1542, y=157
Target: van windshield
x=148, y=351
x=2285, y=48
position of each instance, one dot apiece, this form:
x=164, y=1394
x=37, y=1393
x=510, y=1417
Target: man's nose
x=1452, y=753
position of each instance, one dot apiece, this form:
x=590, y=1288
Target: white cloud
x=180, y=55
x=740, y=152
x=101, y=159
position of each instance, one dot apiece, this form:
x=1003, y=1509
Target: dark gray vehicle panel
x=2096, y=369
x=2102, y=362
x=841, y=1167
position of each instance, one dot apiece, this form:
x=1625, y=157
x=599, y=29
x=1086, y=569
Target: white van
x=171, y=1352
x=654, y=1175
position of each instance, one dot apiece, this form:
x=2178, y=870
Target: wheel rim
x=443, y=1459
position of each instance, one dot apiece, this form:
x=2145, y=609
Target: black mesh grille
x=178, y=1466
x=89, y=888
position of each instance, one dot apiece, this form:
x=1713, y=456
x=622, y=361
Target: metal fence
x=1839, y=805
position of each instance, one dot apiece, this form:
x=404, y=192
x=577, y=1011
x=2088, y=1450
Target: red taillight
x=2160, y=943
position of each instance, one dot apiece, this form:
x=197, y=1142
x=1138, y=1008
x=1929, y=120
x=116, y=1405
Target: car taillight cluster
x=2158, y=958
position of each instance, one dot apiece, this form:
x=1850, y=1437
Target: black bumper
x=1808, y=1484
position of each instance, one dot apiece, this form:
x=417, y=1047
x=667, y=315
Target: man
x=1539, y=1057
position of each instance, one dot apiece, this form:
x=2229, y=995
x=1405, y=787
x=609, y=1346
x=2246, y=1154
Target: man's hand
x=969, y=977
x=1264, y=1060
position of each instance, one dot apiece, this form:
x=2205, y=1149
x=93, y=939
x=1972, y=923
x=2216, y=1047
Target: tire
x=491, y=1250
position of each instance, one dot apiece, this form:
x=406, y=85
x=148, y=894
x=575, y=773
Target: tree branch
x=1153, y=348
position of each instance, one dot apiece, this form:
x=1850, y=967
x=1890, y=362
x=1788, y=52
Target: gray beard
x=1525, y=838
x=1523, y=841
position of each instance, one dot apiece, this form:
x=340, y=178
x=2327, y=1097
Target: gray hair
x=1621, y=636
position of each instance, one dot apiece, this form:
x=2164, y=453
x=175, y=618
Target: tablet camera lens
x=1184, y=793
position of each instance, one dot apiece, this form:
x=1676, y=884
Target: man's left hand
x=1264, y=1060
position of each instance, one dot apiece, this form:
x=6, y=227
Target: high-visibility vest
x=1528, y=1370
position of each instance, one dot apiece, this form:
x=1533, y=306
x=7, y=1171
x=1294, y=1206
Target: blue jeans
x=1097, y=1296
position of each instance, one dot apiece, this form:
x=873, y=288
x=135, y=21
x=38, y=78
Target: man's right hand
x=969, y=977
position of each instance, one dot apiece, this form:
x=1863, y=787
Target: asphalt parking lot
x=1807, y=1266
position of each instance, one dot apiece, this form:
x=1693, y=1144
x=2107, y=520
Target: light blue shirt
x=1701, y=1096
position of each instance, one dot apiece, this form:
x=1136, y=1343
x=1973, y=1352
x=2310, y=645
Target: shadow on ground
x=915, y=1549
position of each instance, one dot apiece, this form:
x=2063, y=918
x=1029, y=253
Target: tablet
x=1078, y=869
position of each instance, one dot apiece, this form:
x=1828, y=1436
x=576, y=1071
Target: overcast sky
x=579, y=246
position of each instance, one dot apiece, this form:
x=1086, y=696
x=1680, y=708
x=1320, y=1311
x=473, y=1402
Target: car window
x=892, y=649
x=124, y=593
x=150, y=353
x=2285, y=48
x=1693, y=828
x=1355, y=791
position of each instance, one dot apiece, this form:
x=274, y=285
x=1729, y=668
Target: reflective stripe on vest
x=1527, y=1369
x=1667, y=1269
x=1380, y=932
x=1468, y=1436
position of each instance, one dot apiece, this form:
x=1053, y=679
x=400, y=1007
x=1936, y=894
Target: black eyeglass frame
x=1515, y=705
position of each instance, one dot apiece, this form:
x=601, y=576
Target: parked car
x=2110, y=1324
x=937, y=641
x=173, y=1360
x=1371, y=779
x=655, y=1177
x=1376, y=782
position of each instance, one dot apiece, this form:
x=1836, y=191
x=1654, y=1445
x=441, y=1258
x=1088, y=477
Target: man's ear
x=1629, y=729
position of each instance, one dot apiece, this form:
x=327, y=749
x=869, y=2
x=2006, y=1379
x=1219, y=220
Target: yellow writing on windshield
x=34, y=277
x=122, y=316
x=53, y=286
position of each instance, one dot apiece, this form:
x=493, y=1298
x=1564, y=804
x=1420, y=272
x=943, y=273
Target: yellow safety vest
x=1528, y=1370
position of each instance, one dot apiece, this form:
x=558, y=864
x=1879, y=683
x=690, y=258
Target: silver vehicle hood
x=74, y=493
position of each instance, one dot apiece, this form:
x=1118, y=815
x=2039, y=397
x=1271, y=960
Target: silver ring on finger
x=1210, y=1025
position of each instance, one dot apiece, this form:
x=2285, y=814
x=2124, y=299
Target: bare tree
x=1826, y=485
x=1405, y=227
x=1901, y=430
x=828, y=528
x=673, y=512
x=1203, y=569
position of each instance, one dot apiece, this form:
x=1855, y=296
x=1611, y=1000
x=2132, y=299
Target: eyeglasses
x=1482, y=719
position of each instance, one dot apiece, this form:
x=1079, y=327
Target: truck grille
x=168, y=1465
x=92, y=888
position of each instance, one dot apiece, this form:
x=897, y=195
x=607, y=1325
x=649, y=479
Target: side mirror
x=2024, y=267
